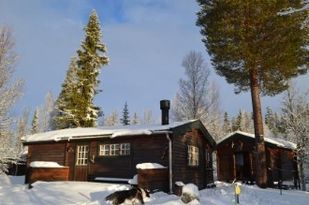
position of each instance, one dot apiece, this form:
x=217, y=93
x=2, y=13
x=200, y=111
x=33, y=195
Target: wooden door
x=81, y=162
x=239, y=165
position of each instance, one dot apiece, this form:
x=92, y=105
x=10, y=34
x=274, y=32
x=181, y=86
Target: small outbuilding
x=112, y=153
x=236, y=159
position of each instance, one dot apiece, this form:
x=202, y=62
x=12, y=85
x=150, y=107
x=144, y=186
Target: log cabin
x=236, y=159
x=185, y=148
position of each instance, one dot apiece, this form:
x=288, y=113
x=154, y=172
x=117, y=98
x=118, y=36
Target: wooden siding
x=226, y=161
x=199, y=175
x=153, y=179
x=142, y=149
x=48, y=174
x=54, y=152
x=280, y=161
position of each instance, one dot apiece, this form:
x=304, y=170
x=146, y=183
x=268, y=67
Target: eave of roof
x=274, y=141
x=104, y=132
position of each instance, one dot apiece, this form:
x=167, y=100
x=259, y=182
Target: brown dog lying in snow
x=135, y=195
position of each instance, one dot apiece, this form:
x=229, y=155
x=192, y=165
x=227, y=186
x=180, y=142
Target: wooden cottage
x=236, y=159
x=113, y=153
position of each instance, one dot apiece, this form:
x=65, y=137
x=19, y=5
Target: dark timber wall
x=200, y=175
x=280, y=161
x=152, y=148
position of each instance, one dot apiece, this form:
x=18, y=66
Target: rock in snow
x=190, y=193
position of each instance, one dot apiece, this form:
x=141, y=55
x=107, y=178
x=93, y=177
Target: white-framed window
x=193, y=155
x=125, y=149
x=82, y=155
x=122, y=149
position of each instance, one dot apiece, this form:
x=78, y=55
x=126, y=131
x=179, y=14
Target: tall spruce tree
x=226, y=124
x=74, y=106
x=135, y=119
x=35, y=122
x=255, y=48
x=66, y=104
x=125, y=120
x=91, y=57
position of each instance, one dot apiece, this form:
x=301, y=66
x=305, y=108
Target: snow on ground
x=13, y=191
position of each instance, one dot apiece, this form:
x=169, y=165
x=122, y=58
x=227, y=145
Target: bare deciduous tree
x=112, y=119
x=46, y=113
x=9, y=93
x=197, y=97
x=295, y=113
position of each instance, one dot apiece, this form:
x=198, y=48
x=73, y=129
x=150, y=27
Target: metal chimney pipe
x=165, y=106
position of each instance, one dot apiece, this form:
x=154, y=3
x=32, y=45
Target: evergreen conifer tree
x=91, y=57
x=35, y=122
x=135, y=119
x=255, y=48
x=66, y=105
x=125, y=120
x=226, y=123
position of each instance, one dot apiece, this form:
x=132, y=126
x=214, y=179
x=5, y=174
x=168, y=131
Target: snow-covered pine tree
x=125, y=120
x=135, y=119
x=226, y=124
x=65, y=105
x=91, y=57
x=9, y=92
x=243, y=122
x=35, y=122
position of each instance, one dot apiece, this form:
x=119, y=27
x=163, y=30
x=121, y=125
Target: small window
x=82, y=155
x=193, y=156
x=208, y=157
x=114, y=149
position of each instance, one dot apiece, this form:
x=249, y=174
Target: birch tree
x=46, y=112
x=112, y=119
x=197, y=98
x=295, y=114
x=9, y=92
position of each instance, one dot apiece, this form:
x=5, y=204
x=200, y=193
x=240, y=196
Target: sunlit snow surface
x=13, y=191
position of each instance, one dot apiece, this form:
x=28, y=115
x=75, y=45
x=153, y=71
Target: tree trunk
x=261, y=168
x=302, y=176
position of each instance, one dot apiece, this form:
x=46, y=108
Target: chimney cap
x=164, y=104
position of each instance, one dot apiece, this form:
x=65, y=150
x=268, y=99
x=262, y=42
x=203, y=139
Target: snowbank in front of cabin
x=133, y=181
x=45, y=164
x=149, y=165
x=89, y=193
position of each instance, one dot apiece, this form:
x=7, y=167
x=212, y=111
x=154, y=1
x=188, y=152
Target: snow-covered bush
x=190, y=192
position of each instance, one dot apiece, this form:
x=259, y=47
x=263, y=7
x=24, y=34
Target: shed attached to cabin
x=236, y=159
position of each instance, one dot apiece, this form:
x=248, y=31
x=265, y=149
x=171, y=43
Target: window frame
x=193, y=153
x=82, y=155
x=114, y=150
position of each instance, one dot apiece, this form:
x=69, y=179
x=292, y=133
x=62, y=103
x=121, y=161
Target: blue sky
x=146, y=41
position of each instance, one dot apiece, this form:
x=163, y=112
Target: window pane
x=82, y=155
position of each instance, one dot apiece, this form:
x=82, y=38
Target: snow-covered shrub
x=190, y=192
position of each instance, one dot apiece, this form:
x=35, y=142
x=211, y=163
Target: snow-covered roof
x=275, y=141
x=149, y=165
x=102, y=132
x=45, y=164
